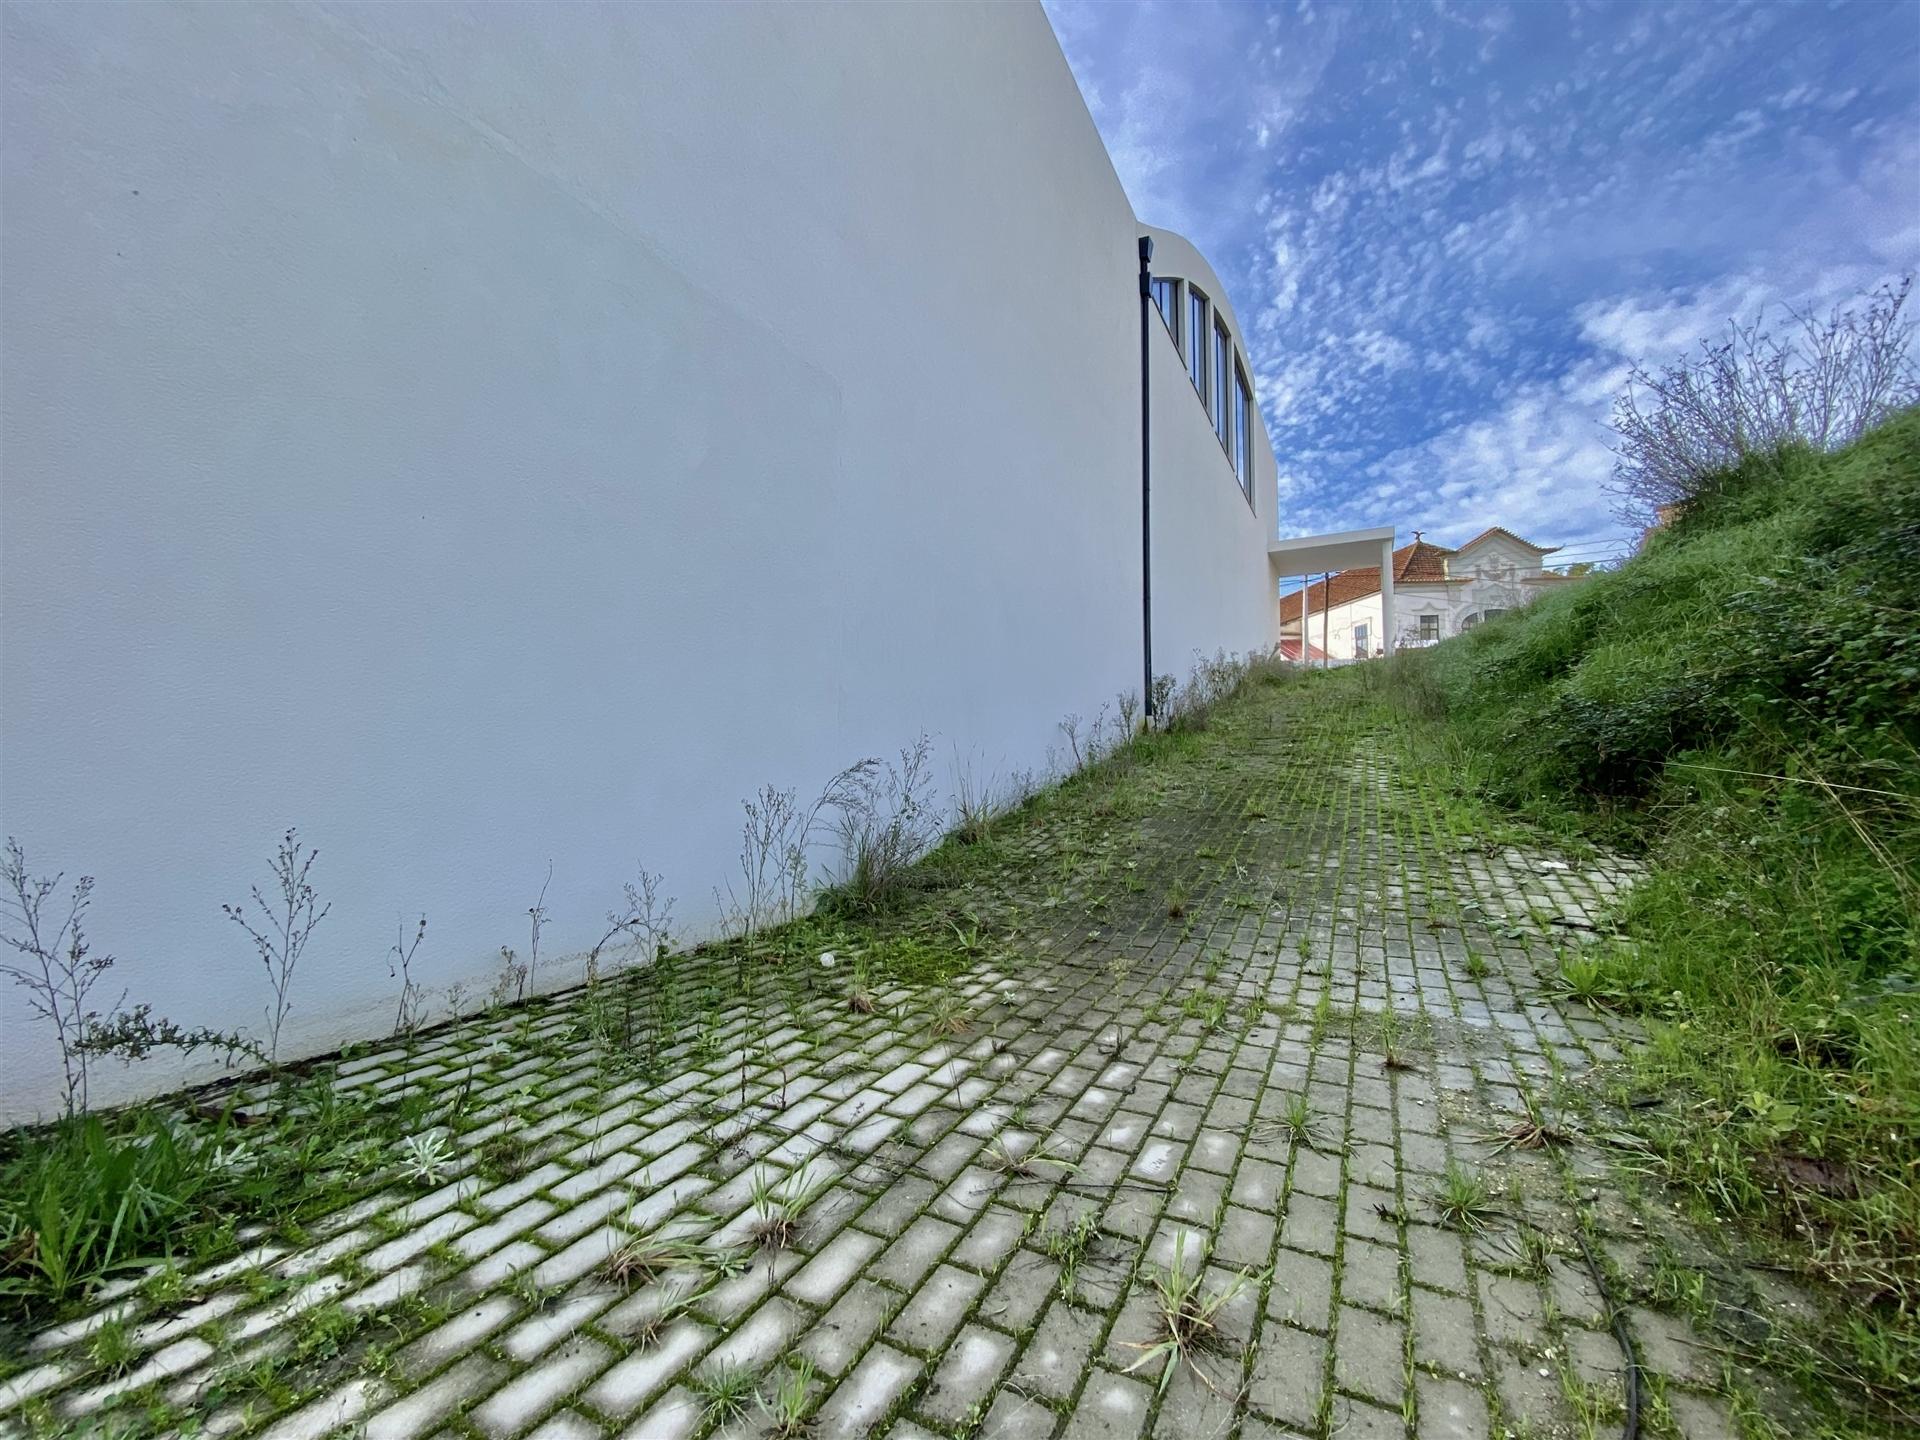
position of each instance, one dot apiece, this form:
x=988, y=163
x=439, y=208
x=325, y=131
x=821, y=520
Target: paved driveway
x=1255, y=1010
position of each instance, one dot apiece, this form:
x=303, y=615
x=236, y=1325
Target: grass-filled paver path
x=1234, y=1088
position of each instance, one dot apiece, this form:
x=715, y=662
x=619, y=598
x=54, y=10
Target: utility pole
x=1146, y=482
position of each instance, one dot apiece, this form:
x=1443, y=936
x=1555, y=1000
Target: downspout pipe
x=1146, y=482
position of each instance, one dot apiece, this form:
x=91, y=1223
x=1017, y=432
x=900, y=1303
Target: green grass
x=94, y=1196
x=1740, y=704
x=1188, y=1319
x=175, y=1184
x=726, y=1394
x=1463, y=1198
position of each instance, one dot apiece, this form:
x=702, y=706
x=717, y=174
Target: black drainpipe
x=1146, y=479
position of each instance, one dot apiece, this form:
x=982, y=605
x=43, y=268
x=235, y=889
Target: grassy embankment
x=1741, y=702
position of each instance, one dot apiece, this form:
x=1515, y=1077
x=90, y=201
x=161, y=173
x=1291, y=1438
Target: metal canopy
x=1311, y=555
x=1316, y=554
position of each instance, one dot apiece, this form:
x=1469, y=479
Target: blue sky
x=1448, y=228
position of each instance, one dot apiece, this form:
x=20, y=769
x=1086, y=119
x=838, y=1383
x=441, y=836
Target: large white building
x=1435, y=592
x=500, y=437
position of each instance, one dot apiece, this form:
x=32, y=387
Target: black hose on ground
x=1620, y=1333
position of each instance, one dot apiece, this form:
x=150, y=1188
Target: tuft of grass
x=1297, y=1123
x=1530, y=1132
x=538, y=1298
x=1069, y=1246
x=779, y=1205
x=645, y=1258
x=503, y=1156
x=789, y=1409
x=90, y=1197
x=726, y=1394
x=951, y=1015
x=112, y=1348
x=672, y=1304
x=1188, y=1319
x=1583, y=976
x=1463, y=1199
x=1025, y=1158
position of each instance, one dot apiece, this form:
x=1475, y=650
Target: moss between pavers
x=1037, y=984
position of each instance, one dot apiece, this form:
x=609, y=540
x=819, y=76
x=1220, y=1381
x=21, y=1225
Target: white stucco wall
x=487, y=436
x=1200, y=511
x=1336, y=637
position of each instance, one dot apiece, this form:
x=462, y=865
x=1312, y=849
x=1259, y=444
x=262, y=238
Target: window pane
x=1165, y=296
x=1197, y=346
x=1236, y=438
x=1222, y=348
x=1243, y=431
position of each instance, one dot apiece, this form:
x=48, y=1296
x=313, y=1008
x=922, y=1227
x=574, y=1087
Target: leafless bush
x=1161, y=697
x=1101, y=736
x=1092, y=744
x=1822, y=384
x=60, y=970
x=641, y=926
x=1070, y=731
x=60, y=974
x=286, y=925
x=1021, y=786
x=413, y=999
x=1190, y=707
x=886, y=820
x=456, y=994
x=773, y=859
x=537, y=921
x=511, y=982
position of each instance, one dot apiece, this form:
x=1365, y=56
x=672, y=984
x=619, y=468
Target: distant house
x=1437, y=592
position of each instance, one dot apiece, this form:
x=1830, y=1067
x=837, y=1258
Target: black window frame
x=1169, y=312
x=1198, y=312
x=1243, y=429
x=1223, y=354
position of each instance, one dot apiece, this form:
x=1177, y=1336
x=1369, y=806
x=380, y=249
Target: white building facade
x=1437, y=592
x=498, y=438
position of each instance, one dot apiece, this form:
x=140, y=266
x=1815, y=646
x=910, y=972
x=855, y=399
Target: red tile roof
x=1417, y=563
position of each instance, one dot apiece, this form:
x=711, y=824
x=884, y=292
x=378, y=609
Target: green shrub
x=84, y=1202
x=1741, y=701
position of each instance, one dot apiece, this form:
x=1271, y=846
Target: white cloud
x=1449, y=230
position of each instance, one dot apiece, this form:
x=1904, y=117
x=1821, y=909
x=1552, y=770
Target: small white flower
x=826, y=959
